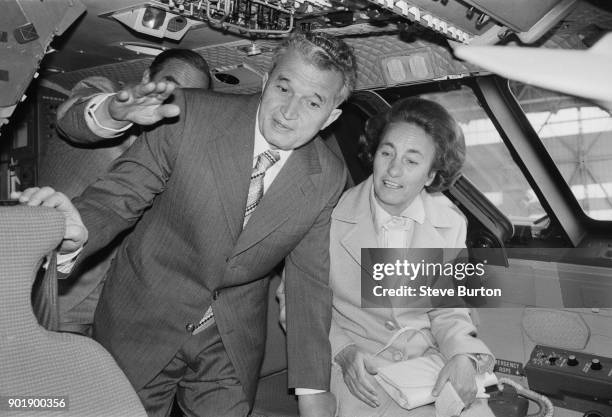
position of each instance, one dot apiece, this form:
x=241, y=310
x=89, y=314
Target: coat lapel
x=425, y=235
x=360, y=231
x=288, y=194
x=231, y=159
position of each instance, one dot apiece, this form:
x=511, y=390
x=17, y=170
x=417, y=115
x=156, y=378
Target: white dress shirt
x=396, y=231
x=92, y=121
x=262, y=145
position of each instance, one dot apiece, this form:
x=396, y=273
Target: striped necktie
x=264, y=161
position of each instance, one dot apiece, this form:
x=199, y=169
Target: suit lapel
x=288, y=194
x=231, y=159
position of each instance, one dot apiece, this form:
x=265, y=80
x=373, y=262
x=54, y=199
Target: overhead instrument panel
x=479, y=21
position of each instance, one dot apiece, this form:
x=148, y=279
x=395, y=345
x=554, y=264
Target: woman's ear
x=431, y=178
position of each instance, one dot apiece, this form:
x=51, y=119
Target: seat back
x=39, y=363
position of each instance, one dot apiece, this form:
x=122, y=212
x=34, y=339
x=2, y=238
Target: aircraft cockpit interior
x=131, y=122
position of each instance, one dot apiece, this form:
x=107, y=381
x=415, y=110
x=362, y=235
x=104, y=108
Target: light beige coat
x=450, y=329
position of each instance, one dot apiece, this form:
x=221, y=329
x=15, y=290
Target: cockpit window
x=489, y=165
x=578, y=136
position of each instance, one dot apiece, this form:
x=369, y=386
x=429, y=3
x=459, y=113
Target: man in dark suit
x=72, y=165
x=183, y=310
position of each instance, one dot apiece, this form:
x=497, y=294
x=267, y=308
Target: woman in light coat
x=417, y=149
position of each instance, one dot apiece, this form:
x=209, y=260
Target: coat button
x=397, y=356
x=215, y=295
x=390, y=325
x=190, y=327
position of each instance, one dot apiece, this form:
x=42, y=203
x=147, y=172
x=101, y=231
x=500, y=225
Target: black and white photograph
x=305, y=208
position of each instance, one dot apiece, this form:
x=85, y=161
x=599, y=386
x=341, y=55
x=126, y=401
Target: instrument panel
x=457, y=20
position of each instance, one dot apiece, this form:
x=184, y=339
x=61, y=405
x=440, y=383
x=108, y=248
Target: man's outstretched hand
x=142, y=104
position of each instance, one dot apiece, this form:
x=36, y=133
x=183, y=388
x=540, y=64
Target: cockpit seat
x=40, y=364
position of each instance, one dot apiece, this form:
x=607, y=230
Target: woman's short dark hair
x=436, y=122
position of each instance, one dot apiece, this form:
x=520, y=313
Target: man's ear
x=332, y=117
x=146, y=76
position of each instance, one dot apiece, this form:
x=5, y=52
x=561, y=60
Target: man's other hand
x=76, y=233
x=317, y=405
x=280, y=296
x=142, y=104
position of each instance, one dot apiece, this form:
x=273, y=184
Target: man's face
x=298, y=100
x=180, y=73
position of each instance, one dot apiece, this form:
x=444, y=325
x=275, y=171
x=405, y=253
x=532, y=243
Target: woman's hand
x=358, y=369
x=461, y=372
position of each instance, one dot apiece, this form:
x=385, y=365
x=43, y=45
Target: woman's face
x=402, y=166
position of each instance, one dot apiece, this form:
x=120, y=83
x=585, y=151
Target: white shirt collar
x=380, y=217
x=262, y=145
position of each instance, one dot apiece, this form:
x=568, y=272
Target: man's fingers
x=45, y=196
x=153, y=89
x=55, y=200
x=168, y=110
x=35, y=196
x=24, y=196
x=75, y=234
x=159, y=91
x=123, y=96
x=142, y=90
x=163, y=87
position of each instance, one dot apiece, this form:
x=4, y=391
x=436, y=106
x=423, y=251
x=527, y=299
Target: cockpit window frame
x=526, y=149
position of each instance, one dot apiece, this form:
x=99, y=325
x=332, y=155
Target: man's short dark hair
x=186, y=55
x=326, y=52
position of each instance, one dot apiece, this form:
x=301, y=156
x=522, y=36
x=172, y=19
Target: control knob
x=572, y=361
x=595, y=365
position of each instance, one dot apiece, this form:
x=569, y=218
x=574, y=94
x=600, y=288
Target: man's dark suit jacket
x=184, y=186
